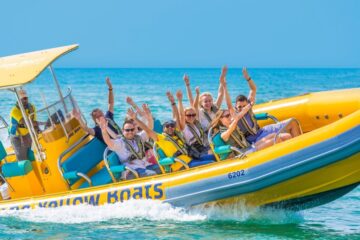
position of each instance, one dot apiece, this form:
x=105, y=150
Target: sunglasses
x=129, y=129
x=226, y=115
x=169, y=125
x=191, y=115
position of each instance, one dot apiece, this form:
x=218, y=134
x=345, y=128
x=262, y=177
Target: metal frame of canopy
x=19, y=70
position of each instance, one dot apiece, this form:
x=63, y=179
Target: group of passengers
x=185, y=135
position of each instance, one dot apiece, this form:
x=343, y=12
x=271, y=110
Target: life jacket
x=245, y=126
x=200, y=139
x=17, y=128
x=140, y=153
x=237, y=138
x=213, y=109
x=180, y=147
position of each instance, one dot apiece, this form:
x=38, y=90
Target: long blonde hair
x=215, y=123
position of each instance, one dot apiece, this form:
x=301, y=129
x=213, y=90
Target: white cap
x=22, y=93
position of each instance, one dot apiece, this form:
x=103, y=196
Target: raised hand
x=245, y=74
x=131, y=113
x=146, y=110
x=186, y=79
x=76, y=113
x=197, y=90
x=179, y=95
x=108, y=82
x=102, y=122
x=170, y=97
x=129, y=101
x=224, y=71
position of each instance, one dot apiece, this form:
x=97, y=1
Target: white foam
x=238, y=211
x=132, y=209
x=154, y=211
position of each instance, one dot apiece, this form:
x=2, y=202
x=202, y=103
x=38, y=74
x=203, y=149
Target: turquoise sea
x=153, y=220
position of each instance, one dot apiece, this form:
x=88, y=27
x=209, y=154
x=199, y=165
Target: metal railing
x=64, y=153
x=58, y=113
x=107, y=165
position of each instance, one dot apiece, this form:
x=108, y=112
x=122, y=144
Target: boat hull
x=305, y=171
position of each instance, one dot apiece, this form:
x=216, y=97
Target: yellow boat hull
x=312, y=169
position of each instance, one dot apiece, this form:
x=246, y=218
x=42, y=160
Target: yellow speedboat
x=68, y=167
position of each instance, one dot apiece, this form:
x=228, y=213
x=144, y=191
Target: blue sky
x=187, y=33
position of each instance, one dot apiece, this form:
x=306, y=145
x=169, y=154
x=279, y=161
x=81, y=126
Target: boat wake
x=151, y=210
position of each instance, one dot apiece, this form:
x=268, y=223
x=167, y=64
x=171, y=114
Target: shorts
x=266, y=131
x=21, y=145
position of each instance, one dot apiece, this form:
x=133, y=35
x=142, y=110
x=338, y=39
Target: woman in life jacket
x=249, y=125
x=207, y=107
x=194, y=134
x=226, y=123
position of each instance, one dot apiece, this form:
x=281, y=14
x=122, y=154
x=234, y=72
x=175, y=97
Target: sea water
x=151, y=219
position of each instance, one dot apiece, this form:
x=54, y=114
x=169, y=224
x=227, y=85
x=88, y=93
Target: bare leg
x=285, y=136
x=293, y=128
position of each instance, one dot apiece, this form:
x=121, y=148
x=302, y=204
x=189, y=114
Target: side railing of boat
x=64, y=153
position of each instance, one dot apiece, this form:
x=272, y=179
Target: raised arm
x=226, y=135
x=196, y=103
x=188, y=89
x=220, y=95
x=179, y=96
x=110, y=95
x=131, y=102
x=251, y=83
x=77, y=115
x=226, y=91
x=148, y=116
x=103, y=126
x=174, y=108
x=141, y=124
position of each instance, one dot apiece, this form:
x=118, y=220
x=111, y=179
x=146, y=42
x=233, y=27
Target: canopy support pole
x=58, y=88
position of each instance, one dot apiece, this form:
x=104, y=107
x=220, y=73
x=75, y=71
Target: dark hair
x=128, y=121
x=241, y=98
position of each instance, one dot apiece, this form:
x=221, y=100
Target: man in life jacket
x=248, y=124
x=130, y=148
x=96, y=114
x=19, y=134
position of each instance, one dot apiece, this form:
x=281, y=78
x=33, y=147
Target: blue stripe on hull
x=269, y=173
x=313, y=200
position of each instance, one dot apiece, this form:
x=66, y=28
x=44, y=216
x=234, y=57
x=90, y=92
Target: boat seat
x=164, y=161
x=114, y=166
x=81, y=162
x=15, y=169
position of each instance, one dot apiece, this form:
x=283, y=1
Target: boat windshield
x=54, y=116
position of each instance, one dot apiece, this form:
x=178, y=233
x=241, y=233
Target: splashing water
x=151, y=210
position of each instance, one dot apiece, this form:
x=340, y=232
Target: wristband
x=110, y=89
x=173, y=104
x=249, y=79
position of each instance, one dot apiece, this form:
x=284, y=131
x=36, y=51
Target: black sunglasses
x=169, y=125
x=129, y=130
x=191, y=115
